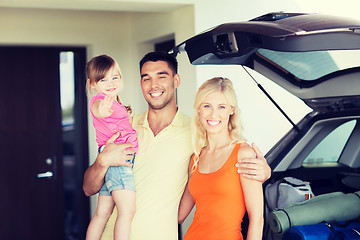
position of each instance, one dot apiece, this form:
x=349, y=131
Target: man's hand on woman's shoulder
x=255, y=168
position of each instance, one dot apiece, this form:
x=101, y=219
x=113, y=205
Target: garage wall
x=151, y=28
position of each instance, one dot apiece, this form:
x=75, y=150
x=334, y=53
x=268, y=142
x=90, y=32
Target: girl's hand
x=105, y=107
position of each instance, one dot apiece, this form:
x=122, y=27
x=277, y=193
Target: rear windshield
x=310, y=66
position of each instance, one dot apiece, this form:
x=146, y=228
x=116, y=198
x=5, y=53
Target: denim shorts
x=118, y=178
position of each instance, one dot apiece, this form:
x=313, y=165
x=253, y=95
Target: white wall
x=154, y=27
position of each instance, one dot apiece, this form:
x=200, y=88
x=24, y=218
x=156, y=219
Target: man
x=160, y=168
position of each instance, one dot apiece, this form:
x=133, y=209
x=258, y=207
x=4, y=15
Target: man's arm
x=255, y=168
x=94, y=178
x=112, y=155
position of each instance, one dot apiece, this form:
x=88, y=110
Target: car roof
x=310, y=55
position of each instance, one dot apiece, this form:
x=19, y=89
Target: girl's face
x=110, y=84
x=214, y=113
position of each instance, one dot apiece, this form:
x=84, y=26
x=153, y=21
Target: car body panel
x=289, y=49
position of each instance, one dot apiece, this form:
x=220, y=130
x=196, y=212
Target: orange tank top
x=220, y=205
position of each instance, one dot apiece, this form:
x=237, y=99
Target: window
x=67, y=88
x=309, y=66
x=328, y=151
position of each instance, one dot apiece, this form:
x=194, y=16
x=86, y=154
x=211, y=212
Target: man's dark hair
x=160, y=56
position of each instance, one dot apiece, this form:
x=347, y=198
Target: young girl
x=221, y=195
x=111, y=117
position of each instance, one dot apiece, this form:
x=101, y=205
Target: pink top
x=119, y=121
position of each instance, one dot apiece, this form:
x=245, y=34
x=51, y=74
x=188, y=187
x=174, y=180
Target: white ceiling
x=100, y=5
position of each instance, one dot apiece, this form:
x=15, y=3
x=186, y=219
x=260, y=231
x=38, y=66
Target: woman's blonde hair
x=199, y=137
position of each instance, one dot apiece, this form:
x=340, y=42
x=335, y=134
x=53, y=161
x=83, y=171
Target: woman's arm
x=186, y=205
x=187, y=202
x=112, y=155
x=254, y=200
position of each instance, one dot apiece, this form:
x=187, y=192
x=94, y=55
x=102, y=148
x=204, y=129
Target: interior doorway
x=73, y=103
x=165, y=46
x=43, y=157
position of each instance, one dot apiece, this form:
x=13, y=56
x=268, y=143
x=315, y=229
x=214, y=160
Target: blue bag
x=319, y=231
x=324, y=231
x=351, y=232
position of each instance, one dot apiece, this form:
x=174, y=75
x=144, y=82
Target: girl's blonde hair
x=199, y=137
x=97, y=68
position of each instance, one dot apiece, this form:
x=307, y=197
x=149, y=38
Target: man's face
x=158, y=84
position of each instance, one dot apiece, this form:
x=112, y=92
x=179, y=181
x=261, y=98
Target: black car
x=316, y=58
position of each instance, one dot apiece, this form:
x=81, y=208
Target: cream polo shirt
x=160, y=172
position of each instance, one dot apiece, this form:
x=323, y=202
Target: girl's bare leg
x=103, y=212
x=125, y=204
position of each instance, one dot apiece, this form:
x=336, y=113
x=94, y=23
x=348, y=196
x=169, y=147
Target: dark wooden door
x=31, y=144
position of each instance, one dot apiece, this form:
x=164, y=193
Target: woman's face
x=214, y=112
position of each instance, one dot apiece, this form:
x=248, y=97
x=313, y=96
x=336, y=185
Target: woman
x=221, y=195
